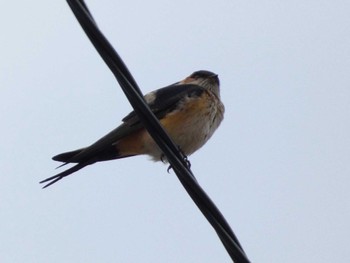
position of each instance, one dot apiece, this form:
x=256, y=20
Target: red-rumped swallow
x=189, y=110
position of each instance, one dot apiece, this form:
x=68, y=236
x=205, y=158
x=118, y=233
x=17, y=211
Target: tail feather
x=67, y=156
x=83, y=157
x=53, y=179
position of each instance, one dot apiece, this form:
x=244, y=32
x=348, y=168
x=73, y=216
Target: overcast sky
x=278, y=167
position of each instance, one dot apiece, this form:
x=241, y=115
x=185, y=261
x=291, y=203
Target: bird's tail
x=67, y=157
x=53, y=179
x=82, y=157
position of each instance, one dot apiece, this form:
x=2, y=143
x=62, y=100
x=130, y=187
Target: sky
x=278, y=166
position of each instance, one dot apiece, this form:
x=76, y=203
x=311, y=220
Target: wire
x=175, y=157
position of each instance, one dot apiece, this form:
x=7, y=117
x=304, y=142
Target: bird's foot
x=185, y=159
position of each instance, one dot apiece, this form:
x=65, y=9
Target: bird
x=189, y=110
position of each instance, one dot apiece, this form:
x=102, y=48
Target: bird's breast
x=191, y=124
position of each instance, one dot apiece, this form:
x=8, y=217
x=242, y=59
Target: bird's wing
x=165, y=100
x=160, y=102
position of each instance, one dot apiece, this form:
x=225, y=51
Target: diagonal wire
x=174, y=156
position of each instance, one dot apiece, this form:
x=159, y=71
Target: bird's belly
x=190, y=128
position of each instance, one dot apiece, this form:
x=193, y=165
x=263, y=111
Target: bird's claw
x=187, y=162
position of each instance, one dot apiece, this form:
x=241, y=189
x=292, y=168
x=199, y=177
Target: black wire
x=174, y=156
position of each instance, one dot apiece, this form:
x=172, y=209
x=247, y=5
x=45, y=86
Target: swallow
x=189, y=110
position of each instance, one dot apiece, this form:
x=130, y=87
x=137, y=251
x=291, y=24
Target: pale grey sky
x=278, y=167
